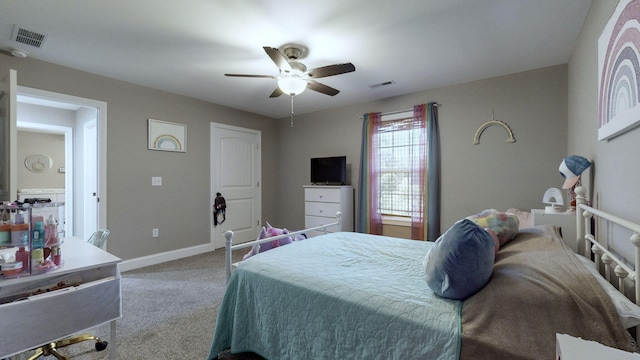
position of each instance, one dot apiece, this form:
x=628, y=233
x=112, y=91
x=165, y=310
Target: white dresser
x=321, y=204
x=55, y=195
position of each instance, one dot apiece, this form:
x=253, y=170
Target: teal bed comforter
x=338, y=296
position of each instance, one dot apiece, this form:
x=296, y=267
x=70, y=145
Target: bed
x=357, y=296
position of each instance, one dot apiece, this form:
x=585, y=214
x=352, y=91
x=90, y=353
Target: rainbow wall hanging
x=167, y=136
x=619, y=71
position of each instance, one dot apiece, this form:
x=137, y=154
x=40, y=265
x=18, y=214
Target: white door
x=236, y=175
x=90, y=173
x=8, y=136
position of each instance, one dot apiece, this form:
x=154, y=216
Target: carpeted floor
x=168, y=311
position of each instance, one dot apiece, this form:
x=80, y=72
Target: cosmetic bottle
x=5, y=234
x=56, y=254
x=38, y=235
x=20, y=234
x=37, y=258
x=19, y=230
x=50, y=232
x=22, y=255
x=19, y=219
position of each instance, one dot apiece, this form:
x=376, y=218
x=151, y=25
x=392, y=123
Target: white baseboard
x=136, y=263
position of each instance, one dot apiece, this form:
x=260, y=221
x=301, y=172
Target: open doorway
x=83, y=125
x=53, y=142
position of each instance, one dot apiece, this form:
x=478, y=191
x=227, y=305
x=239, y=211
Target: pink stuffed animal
x=269, y=232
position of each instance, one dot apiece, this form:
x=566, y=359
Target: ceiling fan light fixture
x=292, y=85
x=294, y=77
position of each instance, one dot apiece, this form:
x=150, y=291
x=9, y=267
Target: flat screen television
x=329, y=170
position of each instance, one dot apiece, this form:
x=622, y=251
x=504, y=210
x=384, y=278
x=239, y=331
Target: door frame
x=214, y=186
x=101, y=108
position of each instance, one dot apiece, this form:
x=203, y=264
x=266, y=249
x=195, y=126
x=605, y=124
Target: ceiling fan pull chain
x=291, y=111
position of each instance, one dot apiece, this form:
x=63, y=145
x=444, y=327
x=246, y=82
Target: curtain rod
x=397, y=111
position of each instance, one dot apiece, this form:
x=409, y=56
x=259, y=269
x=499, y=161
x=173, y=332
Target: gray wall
x=181, y=206
x=493, y=174
x=41, y=143
x=616, y=168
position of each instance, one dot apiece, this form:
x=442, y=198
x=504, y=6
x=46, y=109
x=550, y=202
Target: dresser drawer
x=323, y=195
x=322, y=209
x=313, y=221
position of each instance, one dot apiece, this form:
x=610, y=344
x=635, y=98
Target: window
x=393, y=171
x=400, y=139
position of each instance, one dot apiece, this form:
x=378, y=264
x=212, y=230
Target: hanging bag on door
x=219, y=210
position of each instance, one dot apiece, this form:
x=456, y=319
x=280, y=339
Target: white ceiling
x=186, y=46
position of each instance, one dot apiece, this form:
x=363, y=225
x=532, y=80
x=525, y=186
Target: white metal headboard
x=588, y=242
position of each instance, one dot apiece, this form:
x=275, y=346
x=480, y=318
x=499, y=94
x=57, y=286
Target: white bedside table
x=566, y=222
x=572, y=348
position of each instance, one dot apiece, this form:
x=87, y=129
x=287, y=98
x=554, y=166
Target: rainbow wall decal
x=619, y=71
x=167, y=142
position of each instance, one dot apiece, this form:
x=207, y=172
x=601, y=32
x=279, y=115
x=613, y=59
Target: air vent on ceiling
x=386, y=83
x=28, y=37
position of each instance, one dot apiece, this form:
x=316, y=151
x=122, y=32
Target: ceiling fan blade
x=331, y=70
x=251, y=76
x=277, y=92
x=322, y=88
x=278, y=58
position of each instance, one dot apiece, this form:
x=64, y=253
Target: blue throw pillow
x=460, y=263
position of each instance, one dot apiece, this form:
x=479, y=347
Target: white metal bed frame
x=586, y=242
x=256, y=243
x=601, y=255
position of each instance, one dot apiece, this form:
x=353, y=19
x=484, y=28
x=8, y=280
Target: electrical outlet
x=156, y=181
x=155, y=232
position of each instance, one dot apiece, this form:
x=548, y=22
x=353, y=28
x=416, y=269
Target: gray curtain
x=433, y=173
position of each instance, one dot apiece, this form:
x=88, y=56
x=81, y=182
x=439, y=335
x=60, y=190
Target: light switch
x=156, y=181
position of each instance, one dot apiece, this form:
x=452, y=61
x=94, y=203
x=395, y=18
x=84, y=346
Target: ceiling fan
x=294, y=77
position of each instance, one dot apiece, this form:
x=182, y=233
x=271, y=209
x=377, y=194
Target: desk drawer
x=44, y=318
x=323, y=194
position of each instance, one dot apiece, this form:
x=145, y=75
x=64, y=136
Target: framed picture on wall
x=619, y=72
x=167, y=136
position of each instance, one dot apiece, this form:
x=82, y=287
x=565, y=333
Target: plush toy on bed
x=496, y=241
x=270, y=231
x=503, y=225
x=282, y=231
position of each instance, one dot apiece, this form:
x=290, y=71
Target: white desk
x=41, y=319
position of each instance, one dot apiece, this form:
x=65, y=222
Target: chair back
x=99, y=238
